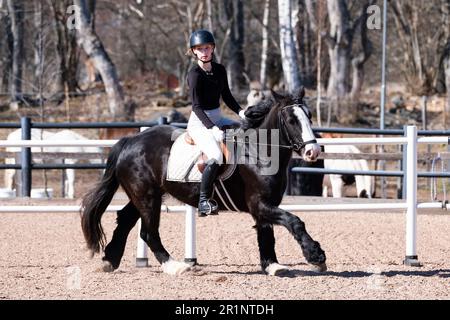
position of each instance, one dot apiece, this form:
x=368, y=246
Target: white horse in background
x=364, y=184
x=257, y=94
x=63, y=135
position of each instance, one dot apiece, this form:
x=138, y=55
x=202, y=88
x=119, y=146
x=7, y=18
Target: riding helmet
x=200, y=37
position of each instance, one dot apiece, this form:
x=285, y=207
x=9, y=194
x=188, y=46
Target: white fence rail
x=57, y=143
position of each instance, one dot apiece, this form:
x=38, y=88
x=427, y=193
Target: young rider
x=207, y=82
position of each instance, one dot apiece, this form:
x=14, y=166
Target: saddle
x=186, y=161
x=201, y=164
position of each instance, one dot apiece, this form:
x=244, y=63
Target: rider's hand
x=217, y=133
x=242, y=114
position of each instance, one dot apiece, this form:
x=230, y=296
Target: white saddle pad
x=182, y=159
x=182, y=165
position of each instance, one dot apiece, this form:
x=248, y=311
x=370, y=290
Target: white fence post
x=190, y=240
x=141, y=250
x=411, y=258
x=190, y=236
x=404, y=160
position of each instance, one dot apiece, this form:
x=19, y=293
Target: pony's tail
x=97, y=200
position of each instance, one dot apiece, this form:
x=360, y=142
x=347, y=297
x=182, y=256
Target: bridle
x=294, y=144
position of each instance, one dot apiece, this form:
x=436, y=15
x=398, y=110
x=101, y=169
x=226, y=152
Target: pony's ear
x=276, y=96
x=301, y=93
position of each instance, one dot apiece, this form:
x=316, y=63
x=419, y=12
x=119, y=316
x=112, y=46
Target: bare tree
x=38, y=51
x=66, y=46
x=439, y=82
x=445, y=59
x=235, y=13
x=360, y=59
x=319, y=64
x=188, y=14
x=407, y=31
x=209, y=14
x=421, y=30
x=16, y=12
x=306, y=45
x=150, y=40
x=93, y=47
x=341, y=52
x=339, y=42
x=38, y=40
x=264, y=45
x=6, y=47
x=446, y=67
x=287, y=46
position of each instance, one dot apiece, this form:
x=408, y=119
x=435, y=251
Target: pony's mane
x=255, y=115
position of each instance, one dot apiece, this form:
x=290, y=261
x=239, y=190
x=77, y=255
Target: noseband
x=294, y=144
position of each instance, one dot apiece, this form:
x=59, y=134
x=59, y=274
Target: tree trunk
x=66, y=47
x=339, y=48
x=358, y=77
x=295, y=28
x=90, y=6
x=446, y=58
x=186, y=63
x=360, y=59
x=439, y=81
x=319, y=64
x=235, y=13
x=287, y=46
x=16, y=12
x=5, y=53
x=38, y=44
x=38, y=53
x=93, y=47
x=209, y=15
x=446, y=65
x=306, y=47
x=420, y=59
x=264, y=45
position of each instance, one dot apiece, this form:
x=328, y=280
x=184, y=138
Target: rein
x=293, y=145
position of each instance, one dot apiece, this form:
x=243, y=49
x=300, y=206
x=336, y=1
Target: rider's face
x=204, y=52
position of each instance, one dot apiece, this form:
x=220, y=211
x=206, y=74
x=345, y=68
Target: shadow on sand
x=292, y=273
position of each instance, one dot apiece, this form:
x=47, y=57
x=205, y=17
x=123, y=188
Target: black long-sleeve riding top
x=206, y=88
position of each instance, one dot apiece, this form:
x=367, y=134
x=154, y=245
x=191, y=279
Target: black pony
x=139, y=164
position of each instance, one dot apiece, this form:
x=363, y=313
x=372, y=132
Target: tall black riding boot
x=206, y=205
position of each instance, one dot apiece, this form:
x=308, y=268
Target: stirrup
x=213, y=208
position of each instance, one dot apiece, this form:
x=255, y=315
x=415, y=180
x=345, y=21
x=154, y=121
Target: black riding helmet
x=200, y=37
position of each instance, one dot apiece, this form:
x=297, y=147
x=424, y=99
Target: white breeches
x=203, y=137
x=206, y=142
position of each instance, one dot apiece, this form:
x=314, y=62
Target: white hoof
x=174, y=267
x=319, y=267
x=275, y=269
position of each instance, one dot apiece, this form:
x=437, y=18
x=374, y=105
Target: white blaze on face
x=312, y=150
